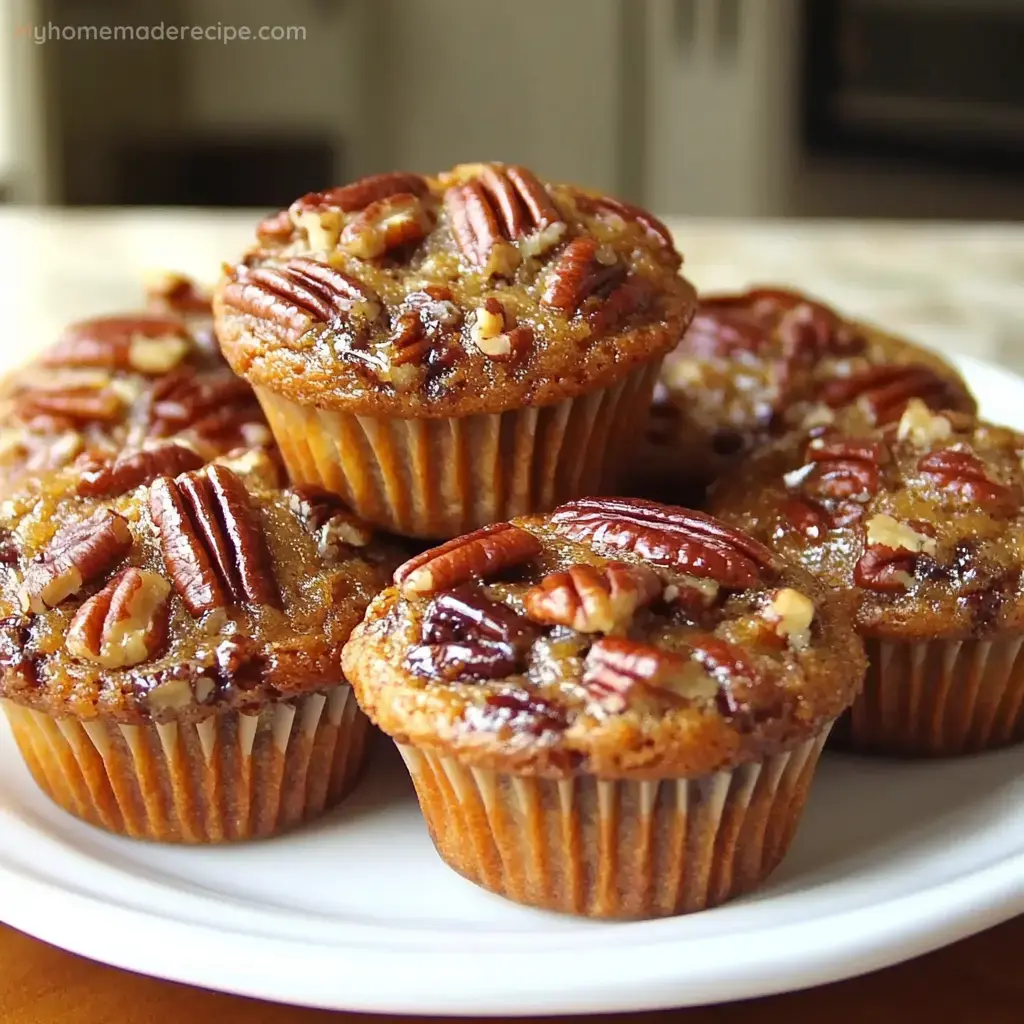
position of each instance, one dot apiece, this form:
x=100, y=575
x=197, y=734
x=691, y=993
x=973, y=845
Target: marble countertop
x=959, y=288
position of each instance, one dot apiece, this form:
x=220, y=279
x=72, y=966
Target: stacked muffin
x=608, y=706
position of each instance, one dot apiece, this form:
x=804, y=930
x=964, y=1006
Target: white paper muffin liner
x=437, y=478
x=233, y=776
x=938, y=697
x=615, y=848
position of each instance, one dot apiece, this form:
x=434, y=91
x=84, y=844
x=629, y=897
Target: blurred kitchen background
x=866, y=108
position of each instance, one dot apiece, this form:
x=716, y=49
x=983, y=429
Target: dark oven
x=936, y=81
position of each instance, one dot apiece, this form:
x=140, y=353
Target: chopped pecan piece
x=654, y=228
x=277, y=229
x=621, y=674
x=886, y=390
x=962, y=473
x=593, y=599
x=683, y=539
x=888, y=570
x=177, y=295
x=460, y=660
x=360, y=194
x=126, y=472
x=492, y=334
x=147, y=344
x=790, y=614
x=336, y=530
x=214, y=548
x=125, y=623
x=78, y=554
x=385, y=225
x=584, y=268
x=521, y=712
x=477, y=555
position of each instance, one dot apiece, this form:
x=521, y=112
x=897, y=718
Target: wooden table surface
x=977, y=981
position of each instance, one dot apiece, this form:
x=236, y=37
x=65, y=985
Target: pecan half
x=844, y=469
x=962, y=473
x=47, y=409
x=467, y=635
x=884, y=569
x=466, y=613
x=125, y=623
x=884, y=391
x=214, y=407
x=385, y=225
x=336, y=530
x=126, y=472
x=477, y=555
x=593, y=599
x=475, y=228
x=584, y=268
x=621, y=674
x=360, y=194
x=147, y=344
x=214, y=549
x=77, y=554
x=300, y=294
x=683, y=539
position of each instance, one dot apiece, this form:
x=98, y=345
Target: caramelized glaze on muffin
x=921, y=519
x=615, y=637
x=756, y=364
x=114, y=386
x=480, y=290
x=208, y=591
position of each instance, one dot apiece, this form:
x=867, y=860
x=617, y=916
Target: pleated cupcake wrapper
x=233, y=776
x=938, y=697
x=615, y=848
x=436, y=478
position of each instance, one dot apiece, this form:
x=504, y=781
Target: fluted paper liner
x=233, y=776
x=938, y=697
x=615, y=848
x=436, y=478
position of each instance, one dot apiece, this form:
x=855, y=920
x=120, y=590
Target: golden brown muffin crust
x=480, y=290
x=208, y=591
x=614, y=637
x=921, y=520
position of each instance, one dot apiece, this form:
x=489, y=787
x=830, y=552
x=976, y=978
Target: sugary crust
x=366, y=359
x=754, y=365
x=953, y=480
x=559, y=728
x=239, y=656
x=116, y=384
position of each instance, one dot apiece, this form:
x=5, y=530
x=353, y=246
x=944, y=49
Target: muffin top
x=209, y=590
x=616, y=637
x=755, y=364
x=115, y=387
x=920, y=520
x=479, y=290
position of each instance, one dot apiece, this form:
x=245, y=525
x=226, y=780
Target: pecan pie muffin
x=756, y=364
x=921, y=522
x=446, y=352
x=615, y=710
x=170, y=656
x=123, y=388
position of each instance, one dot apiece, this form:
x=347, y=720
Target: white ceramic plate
x=357, y=912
